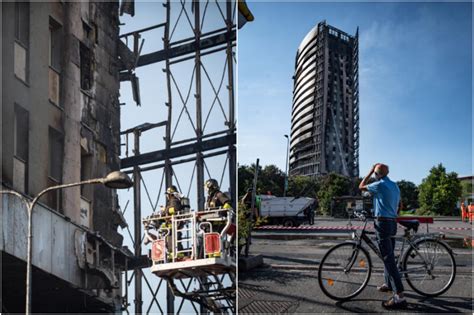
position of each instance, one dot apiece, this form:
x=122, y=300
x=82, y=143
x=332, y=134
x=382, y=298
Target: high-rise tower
x=325, y=115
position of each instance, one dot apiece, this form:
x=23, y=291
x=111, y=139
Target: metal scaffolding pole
x=230, y=87
x=137, y=224
x=197, y=63
x=168, y=167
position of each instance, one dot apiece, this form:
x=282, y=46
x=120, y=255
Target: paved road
x=288, y=283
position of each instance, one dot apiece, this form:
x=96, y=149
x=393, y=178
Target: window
x=55, y=40
x=86, y=67
x=55, y=167
x=22, y=22
x=55, y=154
x=22, y=28
x=20, y=144
x=21, y=133
x=86, y=171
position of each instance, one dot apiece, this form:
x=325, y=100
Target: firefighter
x=173, y=206
x=216, y=198
x=173, y=201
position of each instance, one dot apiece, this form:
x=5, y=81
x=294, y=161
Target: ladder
x=183, y=233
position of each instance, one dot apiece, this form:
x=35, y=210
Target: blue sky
x=415, y=77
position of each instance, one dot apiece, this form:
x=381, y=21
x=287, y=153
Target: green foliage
x=408, y=194
x=466, y=189
x=245, y=224
x=270, y=179
x=245, y=175
x=332, y=185
x=302, y=186
x=439, y=192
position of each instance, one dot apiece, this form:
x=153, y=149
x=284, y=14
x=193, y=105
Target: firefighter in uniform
x=216, y=198
x=173, y=201
x=173, y=206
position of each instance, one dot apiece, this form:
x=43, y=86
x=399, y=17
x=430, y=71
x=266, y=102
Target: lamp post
x=286, y=164
x=115, y=180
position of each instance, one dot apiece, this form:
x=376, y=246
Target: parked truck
x=288, y=211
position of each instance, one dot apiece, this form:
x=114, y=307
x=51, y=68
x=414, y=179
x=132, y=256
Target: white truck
x=289, y=211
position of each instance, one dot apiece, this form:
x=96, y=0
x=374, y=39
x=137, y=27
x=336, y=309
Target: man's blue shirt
x=386, y=197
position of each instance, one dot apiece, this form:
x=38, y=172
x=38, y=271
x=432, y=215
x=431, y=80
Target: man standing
x=386, y=195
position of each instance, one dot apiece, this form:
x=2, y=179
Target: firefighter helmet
x=211, y=185
x=171, y=190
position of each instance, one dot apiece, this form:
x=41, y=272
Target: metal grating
x=248, y=292
x=272, y=307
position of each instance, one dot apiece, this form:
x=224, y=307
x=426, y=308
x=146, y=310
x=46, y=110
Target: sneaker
x=391, y=304
x=384, y=288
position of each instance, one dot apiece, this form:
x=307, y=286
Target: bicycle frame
x=407, y=239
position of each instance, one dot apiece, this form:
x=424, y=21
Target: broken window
x=55, y=167
x=86, y=172
x=86, y=67
x=20, y=143
x=55, y=154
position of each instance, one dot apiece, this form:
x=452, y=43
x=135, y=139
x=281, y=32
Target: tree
x=332, y=185
x=302, y=186
x=271, y=179
x=466, y=190
x=245, y=175
x=409, y=194
x=439, y=192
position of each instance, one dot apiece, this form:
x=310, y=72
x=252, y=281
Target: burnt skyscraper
x=325, y=114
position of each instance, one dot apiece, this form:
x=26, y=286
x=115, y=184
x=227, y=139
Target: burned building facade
x=325, y=112
x=60, y=125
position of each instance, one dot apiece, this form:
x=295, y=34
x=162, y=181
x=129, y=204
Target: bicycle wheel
x=344, y=271
x=431, y=268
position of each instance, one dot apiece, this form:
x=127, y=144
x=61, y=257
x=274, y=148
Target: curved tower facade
x=325, y=115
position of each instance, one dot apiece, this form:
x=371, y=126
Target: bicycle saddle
x=410, y=224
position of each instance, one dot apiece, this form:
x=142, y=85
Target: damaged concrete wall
x=87, y=116
x=92, y=113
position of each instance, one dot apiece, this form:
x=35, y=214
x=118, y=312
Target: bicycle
x=427, y=264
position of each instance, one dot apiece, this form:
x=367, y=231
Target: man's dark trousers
x=385, y=229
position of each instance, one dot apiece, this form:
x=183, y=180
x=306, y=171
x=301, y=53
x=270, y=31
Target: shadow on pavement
x=269, y=274
x=445, y=304
x=442, y=303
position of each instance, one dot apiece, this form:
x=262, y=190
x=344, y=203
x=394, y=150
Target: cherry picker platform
x=199, y=246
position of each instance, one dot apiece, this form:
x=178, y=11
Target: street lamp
x=286, y=165
x=115, y=180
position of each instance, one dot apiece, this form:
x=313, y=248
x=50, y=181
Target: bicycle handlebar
x=362, y=214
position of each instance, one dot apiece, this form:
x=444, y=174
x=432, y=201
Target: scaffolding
x=210, y=275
